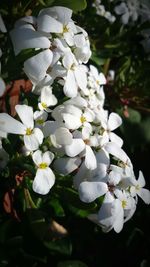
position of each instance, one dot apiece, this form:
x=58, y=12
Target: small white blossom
x=45, y=177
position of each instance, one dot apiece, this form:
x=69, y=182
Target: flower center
x=65, y=29
x=43, y=165
x=73, y=67
x=44, y=105
x=28, y=131
x=137, y=187
x=40, y=121
x=87, y=141
x=124, y=203
x=82, y=119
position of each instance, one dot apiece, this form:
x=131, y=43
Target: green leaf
x=58, y=209
x=61, y=246
x=71, y=264
x=27, y=53
x=73, y=197
x=76, y=5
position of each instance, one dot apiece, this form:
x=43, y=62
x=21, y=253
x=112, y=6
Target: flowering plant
x=61, y=146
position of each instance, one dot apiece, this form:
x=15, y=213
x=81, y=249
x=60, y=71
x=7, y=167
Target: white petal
x=63, y=14
x=114, y=121
x=50, y=127
x=116, y=139
x=116, y=151
x=81, y=77
x=68, y=60
x=36, y=66
x=75, y=148
x=102, y=79
x=63, y=136
x=43, y=181
x=2, y=134
x=47, y=97
x=121, y=9
x=33, y=141
x=24, y=38
x=71, y=122
x=48, y=157
x=125, y=17
x=89, y=115
x=38, y=135
x=105, y=215
x=83, y=174
x=37, y=157
x=10, y=125
x=141, y=180
x=118, y=215
x=45, y=23
x=70, y=87
x=90, y=159
x=26, y=115
x=67, y=165
x=144, y=194
x=89, y=191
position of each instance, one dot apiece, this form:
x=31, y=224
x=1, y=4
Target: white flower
x=75, y=76
x=40, y=117
x=57, y=20
x=25, y=37
x=36, y=67
x=115, y=211
x=129, y=10
x=95, y=79
x=110, y=124
x=75, y=118
x=33, y=137
x=137, y=188
x=45, y=177
x=47, y=99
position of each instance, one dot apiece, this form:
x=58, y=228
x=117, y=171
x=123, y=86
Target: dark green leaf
x=76, y=5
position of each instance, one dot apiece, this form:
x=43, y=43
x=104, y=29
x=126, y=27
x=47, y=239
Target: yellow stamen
x=44, y=105
x=43, y=165
x=40, y=121
x=72, y=67
x=82, y=119
x=124, y=203
x=65, y=29
x=28, y=131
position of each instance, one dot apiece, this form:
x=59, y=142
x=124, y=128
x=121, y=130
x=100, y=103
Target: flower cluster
x=79, y=131
x=101, y=11
x=131, y=10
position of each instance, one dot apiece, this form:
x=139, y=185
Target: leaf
x=71, y=264
x=76, y=5
x=73, y=197
x=97, y=59
x=61, y=246
x=58, y=209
